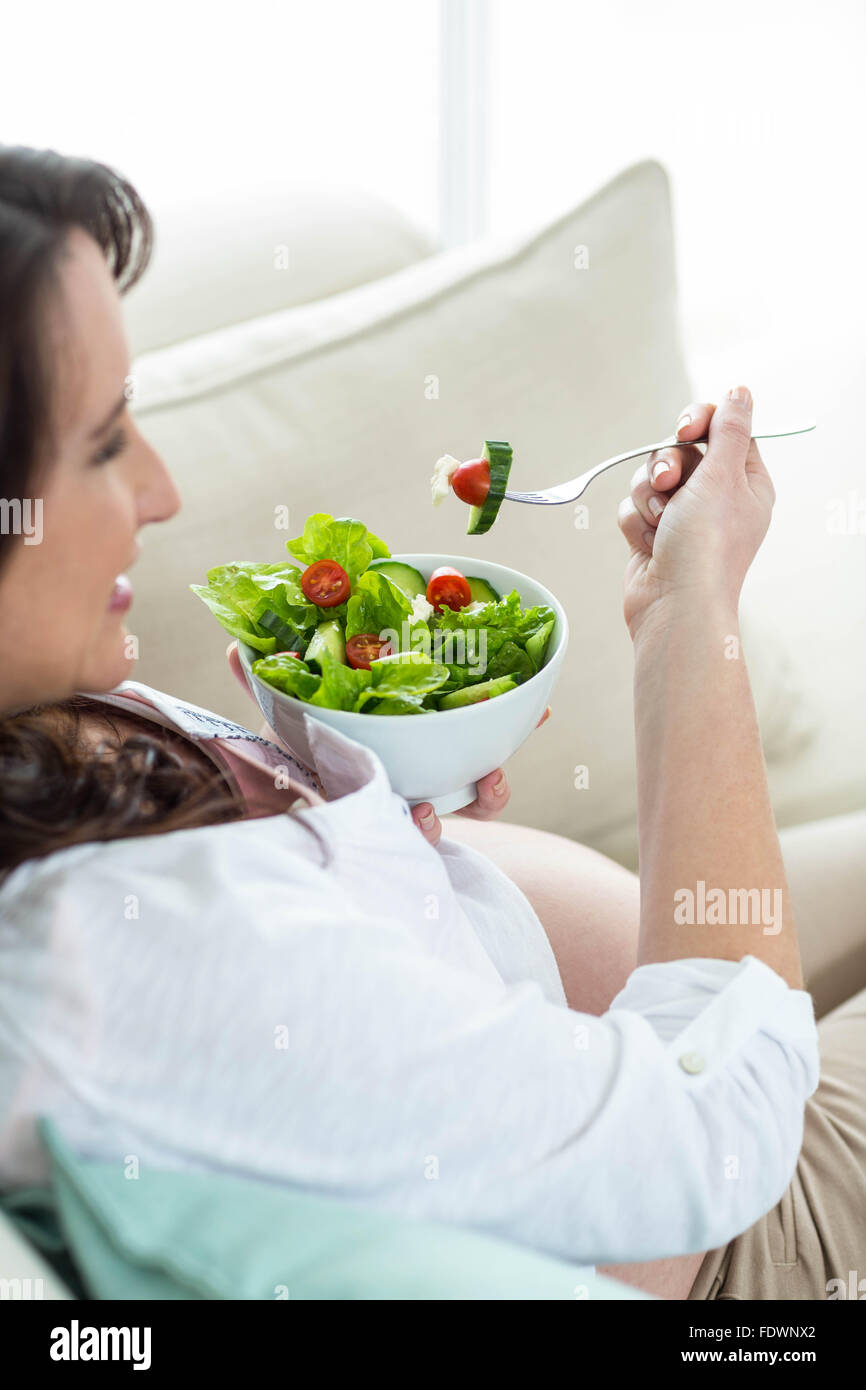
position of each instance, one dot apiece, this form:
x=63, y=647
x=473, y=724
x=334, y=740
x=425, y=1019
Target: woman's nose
x=157, y=494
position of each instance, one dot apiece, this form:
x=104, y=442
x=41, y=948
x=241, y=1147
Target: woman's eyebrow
x=115, y=411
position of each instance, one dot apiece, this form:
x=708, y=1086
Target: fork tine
x=532, y=497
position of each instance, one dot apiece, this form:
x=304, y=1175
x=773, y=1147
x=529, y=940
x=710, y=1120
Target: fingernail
x=740, y=395
x=649, y=537
x=685, y=419
x=656, y=506
x=499, y=784
x=659, y=469
x=428, y=820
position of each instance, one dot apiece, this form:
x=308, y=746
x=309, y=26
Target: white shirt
x=389, y=1028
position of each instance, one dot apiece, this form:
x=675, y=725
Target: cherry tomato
x=448, y=588
x=297, y=654
x=471, y=481
x=325, y=583
x=365, y=647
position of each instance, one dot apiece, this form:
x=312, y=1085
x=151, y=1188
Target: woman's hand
x=237, y=670
x=694, y=523
x=491, y=801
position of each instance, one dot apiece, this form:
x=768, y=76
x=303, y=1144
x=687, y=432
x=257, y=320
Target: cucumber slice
x=481, y=591
x=536, y=645
x=499, y=456
x=328, y=637
x=407, y=579
x=288, y=638
x=471, y=694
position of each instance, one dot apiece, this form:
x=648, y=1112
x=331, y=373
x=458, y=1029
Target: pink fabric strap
x=260, y=770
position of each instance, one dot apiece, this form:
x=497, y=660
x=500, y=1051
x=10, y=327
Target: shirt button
x=692, y=1062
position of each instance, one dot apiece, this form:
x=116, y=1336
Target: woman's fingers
x=631, y=522
x=493, y=794
x=492, y=798
x=237, y=669
x=667, y=468
x=427, y=822
x=649, y=499
x=694, y=421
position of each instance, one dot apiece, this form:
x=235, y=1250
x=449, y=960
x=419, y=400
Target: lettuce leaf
x=341, y=685
x=345, y=540
x=513, y=661
x=338, y=687
x=404, y=678
x=378, y=606
x=233, y=620
x=481, y=647
x=288, y=674
x=240, y=593
x=380, y=549
x=504, y=614
x=395, y=706
x=495, y=636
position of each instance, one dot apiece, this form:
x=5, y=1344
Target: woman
x=209, y=969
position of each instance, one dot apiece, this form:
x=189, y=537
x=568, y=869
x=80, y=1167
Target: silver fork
x=569, y=492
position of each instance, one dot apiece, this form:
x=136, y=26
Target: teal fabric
x=33, y=1212
x=181, y=1235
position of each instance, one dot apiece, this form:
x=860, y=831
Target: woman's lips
x=121, y=596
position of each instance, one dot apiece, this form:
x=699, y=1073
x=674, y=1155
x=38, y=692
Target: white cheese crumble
x=440, y=483
x=421, y=609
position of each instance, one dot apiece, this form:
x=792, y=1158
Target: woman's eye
x=115, y=446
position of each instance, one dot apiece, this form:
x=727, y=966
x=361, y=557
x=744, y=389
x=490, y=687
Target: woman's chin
x=108, y=668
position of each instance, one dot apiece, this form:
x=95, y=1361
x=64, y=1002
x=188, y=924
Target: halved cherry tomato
x=448, y=588
x=325, y=583
x=297, y=654
x=365, y=647
x=471, y=481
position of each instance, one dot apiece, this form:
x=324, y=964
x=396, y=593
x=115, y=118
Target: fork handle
x=672, y=441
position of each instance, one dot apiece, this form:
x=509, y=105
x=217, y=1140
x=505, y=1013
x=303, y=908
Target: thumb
x=730, y=435
x=236, y=668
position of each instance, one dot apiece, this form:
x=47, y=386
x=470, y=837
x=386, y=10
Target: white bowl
x=438, y=756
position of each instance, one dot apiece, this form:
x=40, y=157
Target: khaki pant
x=813, y=1243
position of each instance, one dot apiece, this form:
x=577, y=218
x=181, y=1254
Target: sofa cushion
x=566, y=343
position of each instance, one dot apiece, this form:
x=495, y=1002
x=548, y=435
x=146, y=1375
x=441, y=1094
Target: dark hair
x=43, y=196
x=55, y=791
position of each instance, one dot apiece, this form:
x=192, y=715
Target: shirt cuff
x=706, y=1010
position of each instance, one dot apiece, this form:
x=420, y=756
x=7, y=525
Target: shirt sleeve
x=667, y=1126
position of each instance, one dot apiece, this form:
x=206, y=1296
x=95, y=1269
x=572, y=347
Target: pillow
x=185, y=1235
x=565, y=343
x=220, y=259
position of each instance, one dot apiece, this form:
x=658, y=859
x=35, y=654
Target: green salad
x=349, y=627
